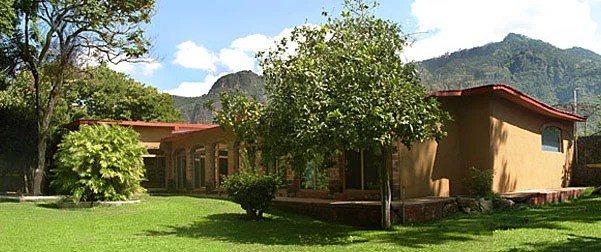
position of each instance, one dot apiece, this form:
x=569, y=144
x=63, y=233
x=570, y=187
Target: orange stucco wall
x=487, y=132
x=518, y=159
x=150, y=137
x=437, y=169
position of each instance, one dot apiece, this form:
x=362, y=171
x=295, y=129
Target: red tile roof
x=512, y=95
x=175, y=126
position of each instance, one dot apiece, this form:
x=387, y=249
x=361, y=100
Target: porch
x=367, y=213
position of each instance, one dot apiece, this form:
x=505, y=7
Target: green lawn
x=181, y=223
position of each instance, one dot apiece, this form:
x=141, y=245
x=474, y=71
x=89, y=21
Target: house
x=157, y=162
x=526, y=143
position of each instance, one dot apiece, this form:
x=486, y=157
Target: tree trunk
x=44, y=117
x=39, y=172
x=385, y=194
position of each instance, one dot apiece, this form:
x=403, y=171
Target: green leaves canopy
x=344, y=84
x=106, y=94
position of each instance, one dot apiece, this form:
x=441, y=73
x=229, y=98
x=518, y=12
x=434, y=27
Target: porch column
x=189, y=160
x=335, y=181
x=395, y=177
x=211, y=167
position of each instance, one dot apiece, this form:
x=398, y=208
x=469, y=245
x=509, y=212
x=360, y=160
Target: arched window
x=551, y=139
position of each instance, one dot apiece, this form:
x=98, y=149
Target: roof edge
x=140, y=123
x=520, y=97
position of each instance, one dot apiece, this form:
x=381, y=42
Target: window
x=180, y=169
x=360, y=171
x=276, y=168
x=314, y=177
x=221, y=156
x=155, y=170
x=551, y=139
x=198, y=168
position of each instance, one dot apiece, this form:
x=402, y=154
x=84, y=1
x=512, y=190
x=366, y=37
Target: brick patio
x=367, y=213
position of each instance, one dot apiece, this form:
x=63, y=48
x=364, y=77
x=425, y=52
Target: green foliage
x=107, y=94
x=241, y=114
x=344, y=84
x=252, y=191
x=8, y=17
x=480, y=182
x=60, y=35
x=100, y=162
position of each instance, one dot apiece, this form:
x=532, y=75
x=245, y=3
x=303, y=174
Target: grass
x=180, y=223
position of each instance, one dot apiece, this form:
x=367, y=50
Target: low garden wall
x=587, y=166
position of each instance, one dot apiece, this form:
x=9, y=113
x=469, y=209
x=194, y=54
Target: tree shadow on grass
x=287, y=229
x=275, y=230
x=573, y=243
x=468, y=227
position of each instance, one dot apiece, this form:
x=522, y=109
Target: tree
x=342, y=85
x=57, y=33
x=97, y=93
x=106, y=94
x=100, y=162
x=242, y=115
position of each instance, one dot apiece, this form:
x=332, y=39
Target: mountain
x=535, y=67
x=532, y=66
x=246, y=82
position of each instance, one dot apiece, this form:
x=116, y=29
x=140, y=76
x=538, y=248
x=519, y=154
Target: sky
x=196, y=42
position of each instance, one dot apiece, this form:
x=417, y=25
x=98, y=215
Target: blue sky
x=196, y=42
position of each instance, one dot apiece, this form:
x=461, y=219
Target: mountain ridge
x=534, y=67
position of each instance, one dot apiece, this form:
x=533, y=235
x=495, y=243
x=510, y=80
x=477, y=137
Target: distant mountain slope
x=535, y=67
x=532, y=66
x=246, y=82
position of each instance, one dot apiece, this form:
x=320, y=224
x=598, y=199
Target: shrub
x=100, y=162
x=480, y=182
x=252, y=191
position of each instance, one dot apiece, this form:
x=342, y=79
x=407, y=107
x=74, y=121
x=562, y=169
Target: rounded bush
x=100, y=162
x=252, y=191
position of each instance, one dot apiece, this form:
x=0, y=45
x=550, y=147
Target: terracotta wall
x=437, y=169
x=150, y=137
x=518, y=158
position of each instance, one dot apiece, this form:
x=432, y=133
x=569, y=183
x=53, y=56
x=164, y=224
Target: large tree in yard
x=343, y=86
x=55, y=35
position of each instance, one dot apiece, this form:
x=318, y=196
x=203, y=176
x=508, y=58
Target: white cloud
x=240, y=55
x=236, y=60
x=148, y=68
x=252, y=43
x=191, y=55
x=193, y=89
x=447, y=26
